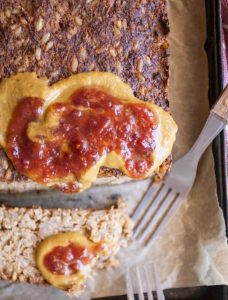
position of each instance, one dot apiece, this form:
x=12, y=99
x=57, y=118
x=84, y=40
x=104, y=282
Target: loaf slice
x=59, y=38
x=22, y=230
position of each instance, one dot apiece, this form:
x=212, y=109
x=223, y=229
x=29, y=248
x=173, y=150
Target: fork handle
x=216, y=122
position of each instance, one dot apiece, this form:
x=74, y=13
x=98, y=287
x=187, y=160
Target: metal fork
x=161, y=201
x=141, y=274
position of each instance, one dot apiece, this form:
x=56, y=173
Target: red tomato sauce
x=67, y=260
x=92, y=123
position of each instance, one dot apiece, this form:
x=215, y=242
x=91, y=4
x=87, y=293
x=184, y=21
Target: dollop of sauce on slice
x=90, y=124
x=67, y=260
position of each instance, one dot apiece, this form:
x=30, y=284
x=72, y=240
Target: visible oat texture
x=57, y=38
x=22, y=229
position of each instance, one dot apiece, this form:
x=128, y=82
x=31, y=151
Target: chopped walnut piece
x=38, y=53
x=83, y=53
x=135, y=45
x=18, y=31
x=113, y=53
x=119, y=24
x=39, y=24
x=49, y=45
x=8, y=13
x=74, y=64
x=140, y=65
x=45, y=38
x=78, y=21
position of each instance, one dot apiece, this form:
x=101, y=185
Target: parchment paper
x=192, y=249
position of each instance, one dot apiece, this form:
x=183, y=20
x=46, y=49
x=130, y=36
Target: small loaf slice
x=22, y=230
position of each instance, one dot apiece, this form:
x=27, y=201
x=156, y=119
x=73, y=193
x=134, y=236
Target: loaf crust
x=58, y=38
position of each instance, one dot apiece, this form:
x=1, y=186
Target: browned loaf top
x=57, y=38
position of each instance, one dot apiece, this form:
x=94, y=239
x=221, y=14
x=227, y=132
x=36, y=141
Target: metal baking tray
x=213, y=47
x=215, y=62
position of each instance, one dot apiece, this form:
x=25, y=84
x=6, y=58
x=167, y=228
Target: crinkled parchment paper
x=192, y=250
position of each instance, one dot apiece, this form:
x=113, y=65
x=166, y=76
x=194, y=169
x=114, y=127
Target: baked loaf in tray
x=58, y=38
x=22, y=230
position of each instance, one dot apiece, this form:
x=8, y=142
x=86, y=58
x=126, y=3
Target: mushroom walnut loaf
x=22, y=229
x=57, y=38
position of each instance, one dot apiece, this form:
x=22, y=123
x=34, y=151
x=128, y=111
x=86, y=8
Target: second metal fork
x=142, y=276
x=161, y=201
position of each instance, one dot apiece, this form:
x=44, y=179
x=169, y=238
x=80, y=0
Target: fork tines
x=154, y=211
x=140, y=275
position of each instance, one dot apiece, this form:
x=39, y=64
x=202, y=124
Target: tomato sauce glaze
x=92, y=123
